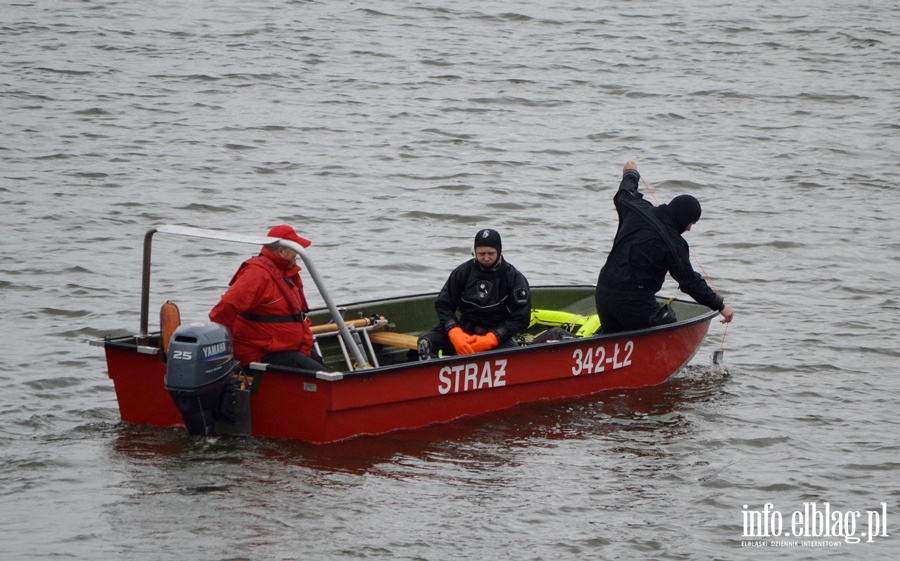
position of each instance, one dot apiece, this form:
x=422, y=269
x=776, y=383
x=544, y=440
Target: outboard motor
x=199, y=365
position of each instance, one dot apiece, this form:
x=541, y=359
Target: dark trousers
x=296, y=359
x=626, y=311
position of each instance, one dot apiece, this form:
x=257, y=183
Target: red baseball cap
x=285, y=232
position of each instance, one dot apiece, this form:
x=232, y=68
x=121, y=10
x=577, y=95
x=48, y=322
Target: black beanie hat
x=489, y=238
x=685, y=209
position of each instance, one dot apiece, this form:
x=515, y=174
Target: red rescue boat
x=372, y=386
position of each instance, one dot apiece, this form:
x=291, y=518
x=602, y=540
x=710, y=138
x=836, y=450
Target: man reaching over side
x=649, y=242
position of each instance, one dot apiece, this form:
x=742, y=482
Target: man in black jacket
x=649, y=243
x=493, y=300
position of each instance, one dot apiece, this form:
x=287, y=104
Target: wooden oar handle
x=329, y=327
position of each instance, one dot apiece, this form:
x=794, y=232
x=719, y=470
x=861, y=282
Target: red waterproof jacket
x=265, y=309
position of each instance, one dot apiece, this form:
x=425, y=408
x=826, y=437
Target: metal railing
x=350, y=342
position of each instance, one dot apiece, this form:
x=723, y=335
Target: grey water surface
x=389, y=132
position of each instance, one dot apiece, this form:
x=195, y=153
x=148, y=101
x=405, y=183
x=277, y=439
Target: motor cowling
x=199, y=364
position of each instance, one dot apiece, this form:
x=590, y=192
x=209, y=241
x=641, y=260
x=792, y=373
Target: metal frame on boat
x=371, y=386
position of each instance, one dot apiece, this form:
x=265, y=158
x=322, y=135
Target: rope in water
x=697, y=261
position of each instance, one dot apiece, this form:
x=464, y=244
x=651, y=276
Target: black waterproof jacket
x=496, y=299
x=647, y=245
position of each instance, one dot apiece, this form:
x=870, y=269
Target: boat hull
x=326, y=407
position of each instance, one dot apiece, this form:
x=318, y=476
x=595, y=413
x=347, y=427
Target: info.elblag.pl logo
x=814, y=525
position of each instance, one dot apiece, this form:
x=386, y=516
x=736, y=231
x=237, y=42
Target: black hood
x=684, y=209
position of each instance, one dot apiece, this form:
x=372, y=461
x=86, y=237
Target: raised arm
x=630, y=177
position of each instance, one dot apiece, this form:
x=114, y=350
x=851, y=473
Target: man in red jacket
x=265, y=308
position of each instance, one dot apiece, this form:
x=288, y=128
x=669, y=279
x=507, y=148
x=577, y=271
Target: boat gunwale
x=117, y=342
